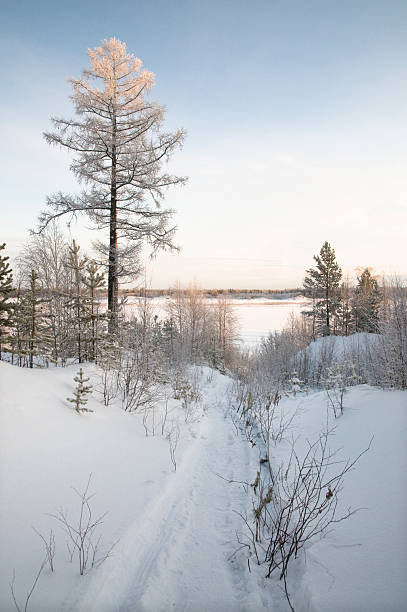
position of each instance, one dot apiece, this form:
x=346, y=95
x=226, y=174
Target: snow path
x=176, y=555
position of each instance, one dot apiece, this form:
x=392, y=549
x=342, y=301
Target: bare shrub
x=49, y=545
x=109, y=363
x=30, y=592
x=82, y=532
x=391, y=348
x=137, y=385
x=335, y=388
x=172, y=436
x=296, y=505
x=261, y=415
x=202, y=330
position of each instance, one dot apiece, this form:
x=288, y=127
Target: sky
x=296, y=113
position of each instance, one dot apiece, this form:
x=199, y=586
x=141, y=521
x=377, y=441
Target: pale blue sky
x=296, y=115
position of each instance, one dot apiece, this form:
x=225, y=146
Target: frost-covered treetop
x=124, y=81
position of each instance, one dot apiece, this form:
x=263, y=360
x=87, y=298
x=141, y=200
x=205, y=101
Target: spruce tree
x=366, y=303
x=6, y=307
x=323, y=285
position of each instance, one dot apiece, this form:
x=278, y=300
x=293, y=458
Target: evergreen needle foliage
x=79, y=395
x=323, y=285
x=6, y=280
x=366, y=303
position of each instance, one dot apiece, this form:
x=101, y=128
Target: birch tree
x=119, y=150
x=47, y=253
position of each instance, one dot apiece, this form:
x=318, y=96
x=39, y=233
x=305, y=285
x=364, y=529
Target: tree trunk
x=112, y=284
x=328, y=330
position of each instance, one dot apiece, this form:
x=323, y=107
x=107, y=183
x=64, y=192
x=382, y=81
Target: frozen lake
x=256, y=317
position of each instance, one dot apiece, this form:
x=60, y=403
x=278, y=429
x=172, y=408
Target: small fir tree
x=323, y=285
x=77, y=300
x=295, y=384
x=6, y=307
x=93, y=280
x=79, y=395
x=32, y=321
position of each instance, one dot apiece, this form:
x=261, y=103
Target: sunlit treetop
x=124, y=81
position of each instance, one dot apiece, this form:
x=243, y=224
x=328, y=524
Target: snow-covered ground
x=362, y=564
x=176, y=531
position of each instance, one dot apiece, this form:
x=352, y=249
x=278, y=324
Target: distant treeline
x=244, y=293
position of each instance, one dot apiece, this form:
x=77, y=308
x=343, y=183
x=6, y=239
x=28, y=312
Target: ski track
x=176, y=556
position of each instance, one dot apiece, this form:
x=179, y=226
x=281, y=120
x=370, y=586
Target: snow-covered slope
x=47, y=448
x=177, y=530
x=362, y=564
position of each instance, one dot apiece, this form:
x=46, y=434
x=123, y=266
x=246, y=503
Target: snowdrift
x=362, y=564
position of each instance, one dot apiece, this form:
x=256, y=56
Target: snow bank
x=353, y=354
x=341, y=346
x=362, y=564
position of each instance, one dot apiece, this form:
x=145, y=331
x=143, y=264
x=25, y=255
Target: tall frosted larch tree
x=323, y=285
x=119, y=151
